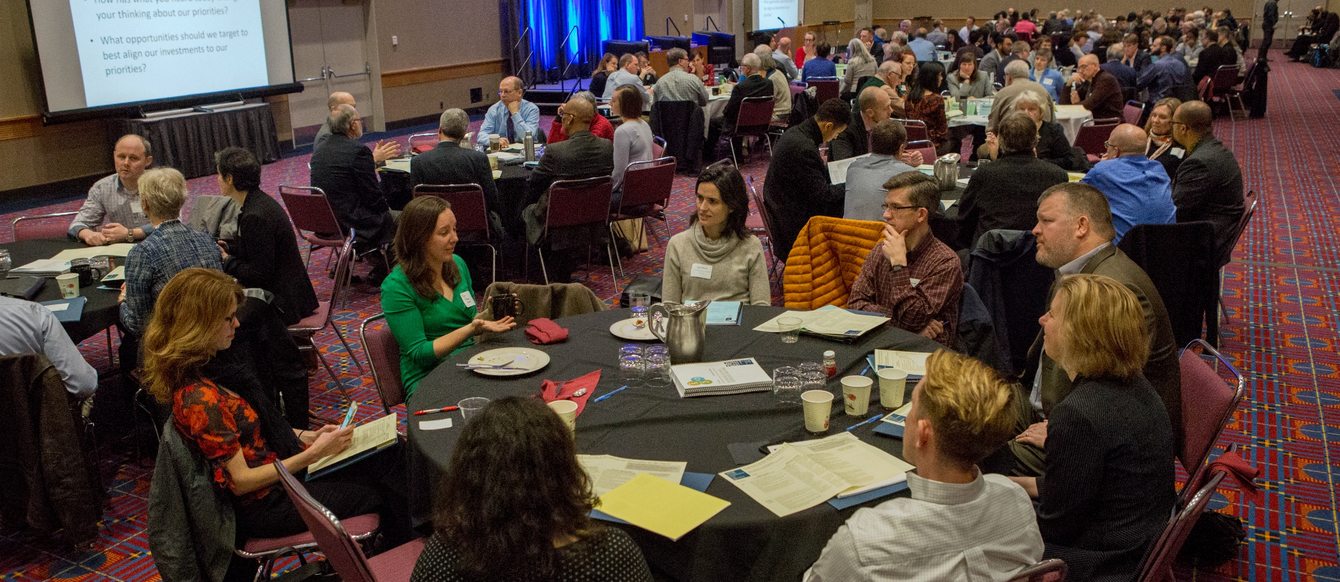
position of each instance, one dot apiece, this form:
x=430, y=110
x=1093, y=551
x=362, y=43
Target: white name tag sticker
x=136, y=208
x=1177, y=152
x=914, y=282
x=467, y=299
x=700, y=271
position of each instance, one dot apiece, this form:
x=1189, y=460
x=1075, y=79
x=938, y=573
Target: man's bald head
x=339, y=98
x=515, y=82
x=874, y=104
x=1196, y=116
x=1089, y=59
x=1129, y=139
x=581, y=110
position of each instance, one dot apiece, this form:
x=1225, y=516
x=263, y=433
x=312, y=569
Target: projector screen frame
x=139, y=108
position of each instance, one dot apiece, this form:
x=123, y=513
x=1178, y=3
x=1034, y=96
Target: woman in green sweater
x=427, y=298
x=717, y=258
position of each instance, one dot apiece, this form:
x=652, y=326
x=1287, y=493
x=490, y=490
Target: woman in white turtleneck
x=717, y=258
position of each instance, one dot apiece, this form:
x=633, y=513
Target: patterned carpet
x=1280, y=292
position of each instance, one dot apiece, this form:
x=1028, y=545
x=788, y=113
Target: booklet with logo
x=715, y=378
x=829, y=322
x=369, y=438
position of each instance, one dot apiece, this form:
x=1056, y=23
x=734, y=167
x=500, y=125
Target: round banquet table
x=743, y=542
x=1071, y=118
x=101, y=310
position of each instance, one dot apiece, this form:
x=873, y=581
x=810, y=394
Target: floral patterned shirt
x=220, y=423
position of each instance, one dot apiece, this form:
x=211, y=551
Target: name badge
x=1177, y=152
x=136, y=207
x=701, y=271
x=467, y=299
x=914, y=282
x=1048, y=81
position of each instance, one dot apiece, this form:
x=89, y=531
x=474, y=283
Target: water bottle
x=6, y=263
x=530, y=147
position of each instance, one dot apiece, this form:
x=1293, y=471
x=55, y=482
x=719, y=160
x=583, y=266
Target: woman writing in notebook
x=238, y=430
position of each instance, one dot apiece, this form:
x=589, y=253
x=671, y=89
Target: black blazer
x=1004, y=194
x=853, y=141
x=265, y=255
x=343, y=168
x=582, y=155
x=797, y=185
x=1208, y=186
x=449, y=163
x=1108, y=489
x=1055, y=148
x=1213, y=57
x=751, y=86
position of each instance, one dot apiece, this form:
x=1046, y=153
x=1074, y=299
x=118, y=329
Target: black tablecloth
x=188, y=142
x=102, y=308
x=744, y=542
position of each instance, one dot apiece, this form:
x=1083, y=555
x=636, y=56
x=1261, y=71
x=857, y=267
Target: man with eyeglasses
x=1097, y=90
x=910, y=276
x=1137, y=188
x=511, y=117
x=1208, y=184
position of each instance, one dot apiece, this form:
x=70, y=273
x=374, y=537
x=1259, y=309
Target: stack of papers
x=116, y=276
x=829, y=321
x=608, y=472
x=914, y=363
x=116, y=250
x=798, y=476
x=837, y=171
x=717, y=378
x=894, y=422
x=724, y=313
x=368, y=439
x=659, y=506
x=43, y=268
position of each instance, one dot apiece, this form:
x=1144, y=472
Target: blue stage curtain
x=596, y=21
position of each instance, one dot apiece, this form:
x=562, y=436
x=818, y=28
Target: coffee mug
x=505, y=305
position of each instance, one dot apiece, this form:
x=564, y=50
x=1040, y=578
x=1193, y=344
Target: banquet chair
x=1210, y=397
x=824, y=88
x=927, y=149
x=646, y=192
x=916, y=129
x=313, y=218
x=1133, y=113
x=658, y=144
x=1092, y=135
x=1179, y=259
x=322, y=318
x=383, y=355
x=422, y=142
x=1224, y=87
x=753, y=119
x=42, y=226
x=764, y=226
x=1053, y=570
x=472, y=214
x=574, y=205
x=1157, y=565
x=342, y=549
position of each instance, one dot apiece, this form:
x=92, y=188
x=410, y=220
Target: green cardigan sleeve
x=405, y=317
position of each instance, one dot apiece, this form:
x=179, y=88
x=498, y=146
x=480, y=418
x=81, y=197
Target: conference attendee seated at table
x=910, y=276
x=701, y=68
x=600, y=126
x=265, y=253
x=30, y=328
x=1189, y=48
x=608, y=64
x=798, y=186
x=1208, y=184
x=346, y=170
x=922, y=48
x=891, y=78
x=1165, y=74
x=1004, y=193
x=991, y=63
x=1097, y=90
x=1019, y=51
x=873, y=107
x=494, y=522
x=112, y=212
x=510, y=117
x=645, y=72
x=1213, y=56
x=1052, y=143
x=582, y=155
x=781, y=89
x=170, y=248
x=452, y=163
x=1162, y=147
x=781, y=49
x=381, y=151
x=925, y=103
x=965, y=32
x=958, y=523
x=752, y=84
x=717, y=258
x=807, y=50
x=1074, y=235
x=633, y=138
x=1132, y=56
x=679, y=84
x=866, y=176
x=240, y=432
x=1016, y=84
x=860, y=64
x=1108, y=485
x=966, y=80
x=628, y=74
x=1126, y=76
x=1044, y=74
x=1137, y=188
x=428, y=298
x=820, y=64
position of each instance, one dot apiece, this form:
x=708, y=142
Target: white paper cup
x=856, y=395
x=818, y=404
x=892, y=387
x=566, y=410
x=69, y=285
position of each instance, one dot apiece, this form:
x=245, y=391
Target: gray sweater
x=982, y=87
x=727, y=269
x=632, y=143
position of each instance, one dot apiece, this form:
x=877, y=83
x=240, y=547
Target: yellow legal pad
x=659, y=506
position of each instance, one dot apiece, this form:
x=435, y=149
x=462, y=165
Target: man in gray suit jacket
x=1208, y=184
x=1074, y=235
x=453, y=162
x=582, y=155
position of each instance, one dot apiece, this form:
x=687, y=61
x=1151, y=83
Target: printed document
x=608, y=472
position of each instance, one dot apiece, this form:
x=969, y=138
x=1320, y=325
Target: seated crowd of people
x=1009, y=469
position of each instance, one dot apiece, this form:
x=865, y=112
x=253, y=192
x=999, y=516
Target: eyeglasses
x=1109, y=145
x=897, y=207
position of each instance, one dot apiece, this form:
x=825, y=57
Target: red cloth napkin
x=565, y=390
x=544, y=331
x=1240, y=471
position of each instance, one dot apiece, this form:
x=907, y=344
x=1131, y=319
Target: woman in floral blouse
x=924, y=102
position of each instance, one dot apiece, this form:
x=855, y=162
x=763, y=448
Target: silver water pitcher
x=946, y=171
x=683, y=328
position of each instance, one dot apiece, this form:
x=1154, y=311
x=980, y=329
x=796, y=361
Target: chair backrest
x=648, y=182
x=927, y=149
x=1225, y=77
x=1092, y=135
x=754, y=116
x=422, y=142
x=1025, y=36
x=1204, y=87
x=554, y=301
x=916, y=129
x=1053, y=570
x=344, y=263
x=467, y=203
x=1179, y=259
x=384, y=355
x=824, y=89
x=762, y=207
x=658, y=145
x=1210, y=396
x=53, y=225
x=1249, y=201
x=578, y=202
x=1157, y=565
x=344, y=554
x=1133, y=112
x=309, y=209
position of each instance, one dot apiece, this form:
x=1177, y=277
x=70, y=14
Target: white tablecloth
x=1071, y=117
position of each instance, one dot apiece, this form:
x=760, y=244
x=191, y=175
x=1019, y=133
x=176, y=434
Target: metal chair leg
x=609, y=248
x=544, y=270
x=344, y=390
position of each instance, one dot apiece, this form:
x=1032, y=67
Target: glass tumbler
x=656, y=369
x=786, y=385
x=631, y=367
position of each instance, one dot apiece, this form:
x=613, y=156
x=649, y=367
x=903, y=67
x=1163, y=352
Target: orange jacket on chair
x=825, y=260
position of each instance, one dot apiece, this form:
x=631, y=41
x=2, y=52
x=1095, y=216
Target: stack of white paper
x=798, y=476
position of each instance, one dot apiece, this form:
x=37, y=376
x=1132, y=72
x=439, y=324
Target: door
x=329, y=40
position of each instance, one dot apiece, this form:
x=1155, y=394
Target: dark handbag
x=643, y=284
x=1214, y=540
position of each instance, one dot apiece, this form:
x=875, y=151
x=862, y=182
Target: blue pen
x=611, y=393
x=864, y=422
x=864, y=370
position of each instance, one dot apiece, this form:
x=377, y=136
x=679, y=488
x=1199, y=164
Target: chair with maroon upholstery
x=927, y=149
x=575, y=204
x=303, y=331
x=312, y=216
x=646, y=191
x=1053, y=570
x=472, y=214
x=1093, y=135
x=384, y=358
x=753, y=119
x=1210, y=396
x=1158, y=562
x=53, y=225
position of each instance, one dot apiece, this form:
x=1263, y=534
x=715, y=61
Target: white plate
x=522, y=361
x=625, y=329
